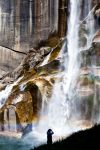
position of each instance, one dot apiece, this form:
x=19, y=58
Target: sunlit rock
x=96, y=38
x=26, y=24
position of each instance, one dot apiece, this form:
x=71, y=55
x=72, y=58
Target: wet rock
x=86, y=80
x=97, y=15
x=51, y=68
x=91, y=55
x=2, y=86
x=83, y=35
x=27, y=130
x=96, y=110
x=1, y=121
x=36, y=96
x=86, y=105
x=96, y=38
x=44, y=51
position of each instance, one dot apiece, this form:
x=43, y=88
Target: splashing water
x=63, y=102
x=72, y=68
x=63, y=110
x=4, y=94
x=62, y=114
x=59, y=108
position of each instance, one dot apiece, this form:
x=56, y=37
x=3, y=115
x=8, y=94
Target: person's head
x=50, y=131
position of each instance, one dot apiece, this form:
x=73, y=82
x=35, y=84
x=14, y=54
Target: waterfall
x=30, y=14
x=9, y=113
x=64, y=109
x=72, y=68
x=62, y=103
x=0, y=18
x=90, y=23
x=17, y=27
x=6, y=121
x=4, y=94
x=12, y=119
x=59, y=110
x=63, y=113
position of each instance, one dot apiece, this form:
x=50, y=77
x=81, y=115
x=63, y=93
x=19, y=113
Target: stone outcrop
x=35, y=86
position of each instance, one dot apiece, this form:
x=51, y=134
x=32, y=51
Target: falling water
x=30, y=22
x=12, y=119
x=17, y=28
x=6, y=121
x=4, y=94
x=59, y=116
x=71, y=71
x=90, y=23
x=59, y=109
x=64, y=107
x=9, y=113
x=63, y=113
x=0, y=18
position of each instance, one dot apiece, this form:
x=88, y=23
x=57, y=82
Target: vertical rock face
x=23, y=24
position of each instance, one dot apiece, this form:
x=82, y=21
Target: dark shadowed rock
x=80, y=140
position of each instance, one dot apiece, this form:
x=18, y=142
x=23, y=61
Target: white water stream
x=62, y=112
x=59, y=109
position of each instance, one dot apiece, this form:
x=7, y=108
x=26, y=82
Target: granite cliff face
x=37, y=29
x=24, y=24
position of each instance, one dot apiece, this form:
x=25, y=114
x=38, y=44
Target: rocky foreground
x=88, y=139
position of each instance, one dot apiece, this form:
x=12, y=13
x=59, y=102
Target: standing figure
x=49, y=136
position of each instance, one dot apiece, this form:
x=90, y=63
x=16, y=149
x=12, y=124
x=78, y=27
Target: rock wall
x=23, y=25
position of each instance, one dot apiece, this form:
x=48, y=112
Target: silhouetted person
x=49, y=136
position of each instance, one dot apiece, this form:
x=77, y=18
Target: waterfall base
x=10, y=134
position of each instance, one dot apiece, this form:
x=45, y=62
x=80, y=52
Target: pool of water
x=7, y=143
x=26, y=143
x=36, y=138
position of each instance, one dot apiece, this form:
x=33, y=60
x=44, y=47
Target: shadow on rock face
x=27, y=130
